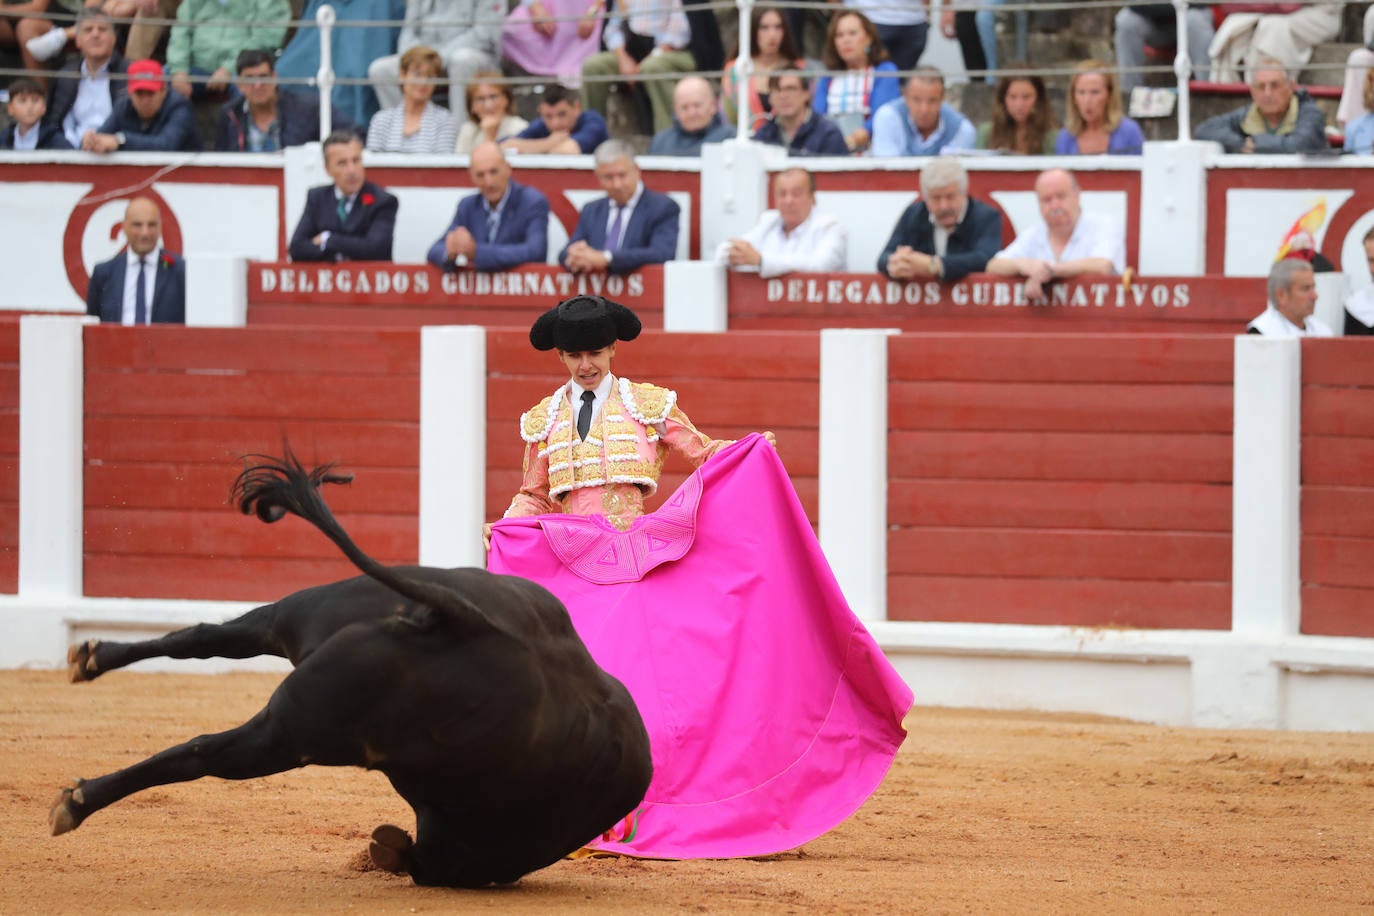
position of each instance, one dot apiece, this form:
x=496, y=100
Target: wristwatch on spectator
x=119, y=139
x=609, y=257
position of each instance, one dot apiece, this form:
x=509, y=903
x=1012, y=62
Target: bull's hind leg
x=254, y=749
x=248, y=636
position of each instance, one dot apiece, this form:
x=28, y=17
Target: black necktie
x=140, y=297
x=584, y=416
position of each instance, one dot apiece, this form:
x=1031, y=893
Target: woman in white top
x=489, y=112
x=864, y=79
x=417, y=125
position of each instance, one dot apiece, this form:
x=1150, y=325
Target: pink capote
x=771, y=711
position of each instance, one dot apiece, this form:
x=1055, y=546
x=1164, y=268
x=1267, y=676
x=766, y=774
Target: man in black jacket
x=85, y=91
x=946, y=235
x=266, y=119
x=148, y=119
x=351, y=219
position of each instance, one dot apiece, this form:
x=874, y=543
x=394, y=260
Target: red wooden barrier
x=1337, y=488
x=9, y=454
x=1060, y=479
x=986, y=303
x=169, y=409
x=375, y=294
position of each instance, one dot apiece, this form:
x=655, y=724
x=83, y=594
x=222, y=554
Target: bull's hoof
x=390, y=849
x=81, y=662
x=66, y=815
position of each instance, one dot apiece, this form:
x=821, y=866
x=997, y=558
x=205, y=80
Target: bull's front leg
x=248, y=636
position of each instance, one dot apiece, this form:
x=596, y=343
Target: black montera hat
x=584, y=323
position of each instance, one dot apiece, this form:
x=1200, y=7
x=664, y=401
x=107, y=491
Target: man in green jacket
x=209, y=34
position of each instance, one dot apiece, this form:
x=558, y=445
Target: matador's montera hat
x=584, y=323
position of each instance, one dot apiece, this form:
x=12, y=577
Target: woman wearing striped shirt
x=417, y=125
x=865, y=78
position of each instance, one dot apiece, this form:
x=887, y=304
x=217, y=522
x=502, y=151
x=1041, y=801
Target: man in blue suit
x=351, y=219
x=946, y=235
x=501, y=226
x=630, y=227
x=144, y=284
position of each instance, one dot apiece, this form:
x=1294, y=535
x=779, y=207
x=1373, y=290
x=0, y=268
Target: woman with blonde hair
x=1096, y=122
x=417, y=125
x=1021, y=122
x=491, y=106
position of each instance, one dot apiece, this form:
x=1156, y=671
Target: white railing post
x=1183, y=70
x=216, y=291
x=744, y=70
x=324, y=18
x=453, y=445
x=1333, y=289
x=694, y=296
x=1173, y=209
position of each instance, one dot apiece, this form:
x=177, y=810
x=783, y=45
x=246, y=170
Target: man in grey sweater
x=1280, y=118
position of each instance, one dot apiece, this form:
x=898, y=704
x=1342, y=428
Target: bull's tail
x=271, y=487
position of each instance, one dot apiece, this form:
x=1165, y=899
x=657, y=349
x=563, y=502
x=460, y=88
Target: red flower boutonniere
x=166, y=260
x=368, y=200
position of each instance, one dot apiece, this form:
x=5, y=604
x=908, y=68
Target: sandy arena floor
x=982, y=812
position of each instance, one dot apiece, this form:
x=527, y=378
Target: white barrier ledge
x=453, y=445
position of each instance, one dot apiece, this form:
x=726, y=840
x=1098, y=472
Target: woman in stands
x=771, y=47
x=1095, y=122
x=1359, y=134
x=490, y=112
x=1022, y=122
x=417, y=125
x=552, y=37
x=867, y=79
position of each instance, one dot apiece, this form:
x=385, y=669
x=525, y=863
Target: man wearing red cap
x=147, y=119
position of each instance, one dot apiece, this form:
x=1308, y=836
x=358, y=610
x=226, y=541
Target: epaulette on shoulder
x=649, y=404
x=536, y=422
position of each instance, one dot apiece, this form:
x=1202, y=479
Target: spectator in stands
x=868, y=81
x=1067, y=243
x=644, y=39
x=505, y=224
x=209, y=34
x=630, y=227
x=52, y=37
x=490, y=112
x=1359, y=308
x=1279, y=119
x=148, y=119
x=1154, y=25
x=1287, y=36
x=794, y=124
x=27, y=130
x=264, y=119
x=946, y=235
x=1095, y=122
x=794, y=236
x=696, y=121
x=920, y=122
x=144, y=36
x=28, y=27
x=552, y=37
x=417, y=125
x=352, y=49
x=1359, y=134
x=771, y=47
x=1357, y=66
x=1292, y=299
x=490, y=108
x=562, y=126
x=976, y=32
x=350, y=220
x=144, y=284
x=86, y=90
x=466, y=33
x=900, y=26
x=1022, y=121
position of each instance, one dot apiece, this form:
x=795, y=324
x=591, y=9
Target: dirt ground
x=982, y=812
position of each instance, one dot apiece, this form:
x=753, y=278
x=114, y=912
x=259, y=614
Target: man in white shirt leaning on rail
x=1067, y=243
x=792, y=237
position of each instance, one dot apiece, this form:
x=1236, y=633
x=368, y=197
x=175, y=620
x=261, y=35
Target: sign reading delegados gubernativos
x=400, y=284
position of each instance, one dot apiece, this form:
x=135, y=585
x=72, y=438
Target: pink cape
x=771, y=711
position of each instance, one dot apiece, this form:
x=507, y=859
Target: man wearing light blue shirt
x=920, y=123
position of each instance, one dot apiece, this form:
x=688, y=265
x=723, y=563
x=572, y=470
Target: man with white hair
x=792, y=237
x=1280, y=118
x=696, y=121
x=1292, y=299
x=1067, y=243
x=628, y=228
x=945, y=234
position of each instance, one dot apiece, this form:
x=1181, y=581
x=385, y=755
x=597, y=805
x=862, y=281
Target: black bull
x=471, y=692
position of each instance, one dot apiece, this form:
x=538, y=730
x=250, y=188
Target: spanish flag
x=1309, y=224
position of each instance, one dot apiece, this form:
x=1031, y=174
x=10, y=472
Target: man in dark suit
x=85, y=91
x=264, y=119
x=503, y=225
x=945, y=235
x=350, y=220
x=630, y=227
x=148, y=119
x=144, y=284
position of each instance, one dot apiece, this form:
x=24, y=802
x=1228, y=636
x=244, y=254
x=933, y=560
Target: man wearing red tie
x=630, y=227
x=145, y=284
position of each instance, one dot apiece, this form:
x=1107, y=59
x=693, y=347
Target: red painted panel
x=1060, y=407
x=1338, y=411
x=1061, y=358
x=1330, y=611
x=1102, y=456
x=1064, y=602
x=1056, y=554
x=1336, y=361
x=274, y=351
x=1347, y=562
x=254, y=396
x=1339, y=511
x=224, y=532
x=177, y=486
x=1039, y=504
x=220, y=441
x=211, y=578
x=1337, y=461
